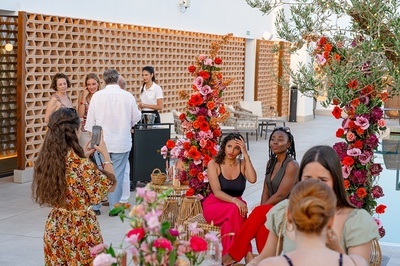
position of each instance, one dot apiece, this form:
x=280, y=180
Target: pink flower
x=350, y=136
x=163, y=243
x=202, y=57
x=375, y=169
x=140, y=192
x=378, y=222
x=362, y=122
x=354, y=152
x=381, y=122
x=208, y=62
x=320, y=59
x=174, y=232
x=198, y=82
x=192, y=227
x=205, y=90
x=104, y=260
x=211, y=237
x=365, y=157
x=97, y=249
x=150, y=196
x=164, y=152
x=152, y=219
x=346, y=171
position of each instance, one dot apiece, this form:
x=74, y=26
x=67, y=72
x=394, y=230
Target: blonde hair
x=311, y=205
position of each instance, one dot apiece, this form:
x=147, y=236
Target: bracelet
x=108, y=162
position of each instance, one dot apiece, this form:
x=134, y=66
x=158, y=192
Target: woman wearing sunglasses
x=280, y=178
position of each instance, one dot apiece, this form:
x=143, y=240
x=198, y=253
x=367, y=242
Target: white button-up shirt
x=116, y=111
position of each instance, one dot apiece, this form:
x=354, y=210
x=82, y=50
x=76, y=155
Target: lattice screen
x=8, y=87
x=267, y=76
x=78, y=46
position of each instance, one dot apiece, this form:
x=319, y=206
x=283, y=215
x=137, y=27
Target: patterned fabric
x=72, y=230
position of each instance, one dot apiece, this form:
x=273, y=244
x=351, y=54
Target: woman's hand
x=87, y=150
x=241, y=205
x=102, y=148
x=242, y=145
x=140, y=104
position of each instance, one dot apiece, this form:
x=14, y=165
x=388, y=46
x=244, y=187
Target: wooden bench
x=391, y=109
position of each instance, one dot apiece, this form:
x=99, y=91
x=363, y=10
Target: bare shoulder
x=274, y=261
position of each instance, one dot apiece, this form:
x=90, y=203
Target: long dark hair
x=49, y=183
x=328, y=158
x=149, y=69
x=219, y=158
x=272, y=156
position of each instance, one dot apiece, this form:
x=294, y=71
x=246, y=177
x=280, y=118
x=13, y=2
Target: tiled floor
x=22, y=221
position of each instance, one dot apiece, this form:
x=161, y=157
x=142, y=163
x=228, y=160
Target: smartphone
x=96, y=136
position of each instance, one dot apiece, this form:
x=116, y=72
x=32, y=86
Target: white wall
x=209, y=16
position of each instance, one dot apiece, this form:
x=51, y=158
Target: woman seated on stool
x=227, y=174
x=309, y=215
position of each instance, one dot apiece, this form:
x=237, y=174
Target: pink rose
x=354, y=152
x=202, y=57
x=346, y=171
x=381, y=122
x=350, y=136
x=362, y=122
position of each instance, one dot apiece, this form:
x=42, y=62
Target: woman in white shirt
x=151, y=94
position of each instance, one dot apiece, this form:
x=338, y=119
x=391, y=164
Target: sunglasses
x=72, y=110
x=286, y=129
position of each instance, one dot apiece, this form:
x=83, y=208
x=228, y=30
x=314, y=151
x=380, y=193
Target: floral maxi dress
x=71, y=231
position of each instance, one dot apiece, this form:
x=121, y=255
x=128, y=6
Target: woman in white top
x=151, y=94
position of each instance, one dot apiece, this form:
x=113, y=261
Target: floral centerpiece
x=200, y=122
x=151, y=241
x=357, y=96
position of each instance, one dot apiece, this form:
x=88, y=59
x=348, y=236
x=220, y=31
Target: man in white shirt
x=116, y=111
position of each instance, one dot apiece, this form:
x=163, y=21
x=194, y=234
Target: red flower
x=380, y=209
x=322, y=41
x=337, y=112
x=195, y=99
x=367, y=89
x=336, y=57
x=353, y=84
x=218, y=61
x=136, y=231
x=358, y=144
x=335, y=101
x=196, y=124
x=198, y=244
x=200, y=176
x=340, y=132
x=204, y=74
x=217, y=133
x=328, y=47
x=384, y=96
x=206, y=159
x=182, y=116
x=163, y=243
x=193, y=172
x=219, y=75
x=348, y=161
x=192, y=69
x=187, y=145
x=204, y=126
x=360, y=131
x=361, y=192
x=222, y=110
x=355, y=102
x=190, y=192
x=170, y=144
x=189, y=135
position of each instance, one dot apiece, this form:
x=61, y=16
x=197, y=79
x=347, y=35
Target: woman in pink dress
x=227, y=174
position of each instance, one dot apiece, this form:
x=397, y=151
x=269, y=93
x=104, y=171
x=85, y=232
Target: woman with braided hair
x=280, y=177
x=66, y=180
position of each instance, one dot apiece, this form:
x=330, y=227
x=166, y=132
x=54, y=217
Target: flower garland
x=200, y=123
x=358, y=102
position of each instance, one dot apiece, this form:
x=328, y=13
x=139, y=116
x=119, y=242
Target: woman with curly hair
x=70, y=183
x=227, y=174
x=60, y=83
x=280, y=177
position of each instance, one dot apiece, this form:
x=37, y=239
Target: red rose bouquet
x=200, y=122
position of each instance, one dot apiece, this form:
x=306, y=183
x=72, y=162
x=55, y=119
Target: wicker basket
x=201, y=223
x=157, y=177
